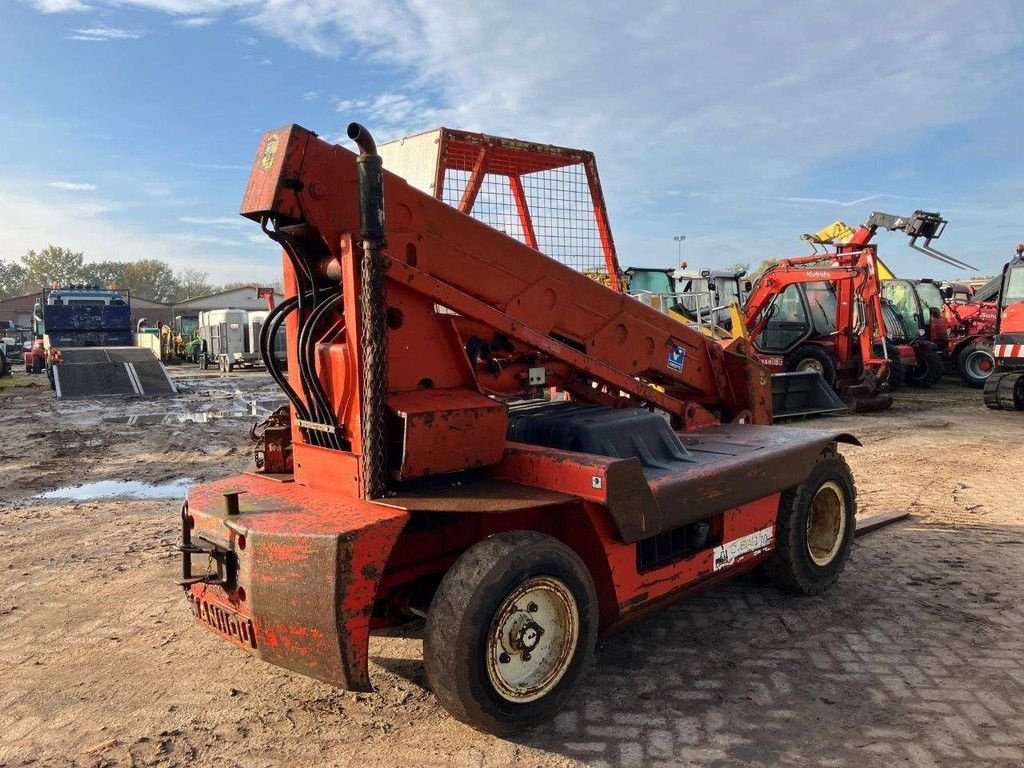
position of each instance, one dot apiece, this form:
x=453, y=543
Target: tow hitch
x=225, y=560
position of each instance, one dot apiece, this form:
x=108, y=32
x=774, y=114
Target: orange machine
x=421, y=468
x=1004, y=389
x=824, y=313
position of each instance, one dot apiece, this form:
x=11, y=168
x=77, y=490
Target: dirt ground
x=916, y=658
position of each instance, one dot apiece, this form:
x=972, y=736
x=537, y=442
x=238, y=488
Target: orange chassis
x=306, y=556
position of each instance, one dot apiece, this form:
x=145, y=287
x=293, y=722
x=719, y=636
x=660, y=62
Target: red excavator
x=422, y=468
x=1004, y=389
x=824, y=312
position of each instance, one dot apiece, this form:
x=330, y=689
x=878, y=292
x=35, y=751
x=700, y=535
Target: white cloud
x=103, y=34
x=59, y=6
x=829, y=202
x=311, y=95
x=213, y=221
x=740, y=101
x=221, y=166
x=32, y=222
x=196, y=21
x=71, y=186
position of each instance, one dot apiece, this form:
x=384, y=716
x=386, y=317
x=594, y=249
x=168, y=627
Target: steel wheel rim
x=826, y=523
x=810, y=365
x=980, y=364
x=532, y=639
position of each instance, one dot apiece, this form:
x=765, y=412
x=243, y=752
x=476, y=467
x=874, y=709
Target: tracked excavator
x=422, y=467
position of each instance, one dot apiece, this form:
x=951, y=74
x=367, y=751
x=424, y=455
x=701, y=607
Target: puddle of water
x=111, y=489
x=246, y=410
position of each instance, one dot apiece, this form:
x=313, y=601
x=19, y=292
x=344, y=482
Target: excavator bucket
x=803, y=394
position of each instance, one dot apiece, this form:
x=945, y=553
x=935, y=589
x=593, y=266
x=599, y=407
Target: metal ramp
x=110, y=371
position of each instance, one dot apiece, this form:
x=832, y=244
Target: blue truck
x=84, y=343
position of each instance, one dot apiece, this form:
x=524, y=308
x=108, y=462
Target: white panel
x=414, y=158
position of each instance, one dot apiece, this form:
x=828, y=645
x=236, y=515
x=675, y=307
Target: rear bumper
x=292, y=577
x=1008, y=348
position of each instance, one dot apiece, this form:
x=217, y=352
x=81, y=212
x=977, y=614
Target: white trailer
x=227, y=338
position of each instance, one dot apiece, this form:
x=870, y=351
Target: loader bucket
x=803, y=394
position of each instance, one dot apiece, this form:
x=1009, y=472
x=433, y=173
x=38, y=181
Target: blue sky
x=129, y=125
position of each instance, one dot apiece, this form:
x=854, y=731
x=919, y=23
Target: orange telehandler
x=421, y=469
x=1004, y=389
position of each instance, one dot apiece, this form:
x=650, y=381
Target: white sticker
x=597, y=482
x=727, y=554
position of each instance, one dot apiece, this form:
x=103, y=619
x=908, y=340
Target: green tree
x=151, y=279
x=53, y=264
x=106, y=273
x=12, y=279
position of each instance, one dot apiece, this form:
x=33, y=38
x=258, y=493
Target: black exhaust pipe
x=373, y=312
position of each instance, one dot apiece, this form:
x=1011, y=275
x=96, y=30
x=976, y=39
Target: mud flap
x=803, y=394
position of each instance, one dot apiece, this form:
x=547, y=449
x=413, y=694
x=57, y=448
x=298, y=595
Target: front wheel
x=812, y=359
x=814, y=529
x=510, y=631
x=975, y=363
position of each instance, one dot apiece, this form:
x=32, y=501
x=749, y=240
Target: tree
x=53, y=264
x=739, y=266
x=192, y=283
x=151, y=279
x=12, y=279
x=236, y=285
x=106, y=274
x=763, y=267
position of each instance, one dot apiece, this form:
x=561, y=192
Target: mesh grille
x=555, y=197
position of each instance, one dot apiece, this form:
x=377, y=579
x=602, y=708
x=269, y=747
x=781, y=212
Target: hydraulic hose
x=268, y=334
x=373, y=313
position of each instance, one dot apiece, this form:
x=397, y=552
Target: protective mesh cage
x=540, y=195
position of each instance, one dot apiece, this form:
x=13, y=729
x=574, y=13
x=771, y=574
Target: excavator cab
x=1004, y=389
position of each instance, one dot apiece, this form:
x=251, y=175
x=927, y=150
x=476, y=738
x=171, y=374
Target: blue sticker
x=676, y=358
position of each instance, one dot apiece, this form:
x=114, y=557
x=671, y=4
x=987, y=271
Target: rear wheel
x=37, y=365
x=812, y=358
x=815, y=527
x=975, y=363
x=510, y=631
x=928, y=370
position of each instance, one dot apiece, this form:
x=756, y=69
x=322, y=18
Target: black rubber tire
x=790, y=565
x=37, y=365
x=964, y=362
x=897, y=371
x=5, y=367
x=460, y=616
x=816, y=353
x=929, y=368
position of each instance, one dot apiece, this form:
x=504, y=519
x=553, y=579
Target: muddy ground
x=916, y=658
